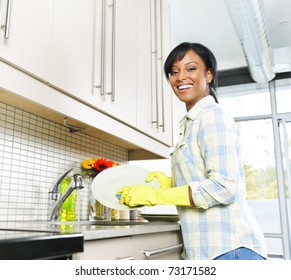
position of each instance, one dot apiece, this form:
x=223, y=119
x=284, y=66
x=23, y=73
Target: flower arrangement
x=92, y=167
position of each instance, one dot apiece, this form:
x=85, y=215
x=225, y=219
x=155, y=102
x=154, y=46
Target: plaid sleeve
x=218, y=142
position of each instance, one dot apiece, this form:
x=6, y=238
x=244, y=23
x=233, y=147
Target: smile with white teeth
x=184, y=86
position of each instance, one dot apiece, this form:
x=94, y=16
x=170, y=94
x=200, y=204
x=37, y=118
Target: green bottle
x=68, y=209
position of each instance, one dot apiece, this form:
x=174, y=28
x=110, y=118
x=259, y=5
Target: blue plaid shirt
x=207, y=157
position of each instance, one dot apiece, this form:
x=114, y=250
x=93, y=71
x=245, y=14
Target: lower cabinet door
x=153, y=246
x=157, y=246
x=106, y=249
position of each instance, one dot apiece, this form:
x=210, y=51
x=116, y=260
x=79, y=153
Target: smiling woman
x=191, y=71
x=207, y=183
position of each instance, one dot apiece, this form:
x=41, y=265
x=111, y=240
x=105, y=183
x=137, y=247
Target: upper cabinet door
x=165, y=133
x=154, y=101
x=120, y=60
x=115, y=59
x=73, y=48
x=25, y=35
x=146, y=70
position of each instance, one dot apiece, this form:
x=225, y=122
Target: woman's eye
x=174, y=72
x=190, y=69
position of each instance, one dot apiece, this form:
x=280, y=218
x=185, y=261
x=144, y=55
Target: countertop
x=45, y=240
x=29, y=244
x=94, y=229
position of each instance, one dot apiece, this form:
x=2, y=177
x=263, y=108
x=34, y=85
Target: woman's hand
x=150, y=196
x=164, y=180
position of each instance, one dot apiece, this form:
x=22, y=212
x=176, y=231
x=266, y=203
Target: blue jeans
x=241, y=253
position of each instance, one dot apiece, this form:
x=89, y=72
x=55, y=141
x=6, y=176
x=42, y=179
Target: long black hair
x=204, y=53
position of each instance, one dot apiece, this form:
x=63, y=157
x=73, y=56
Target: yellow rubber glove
x=164, y=180
x=150, y=196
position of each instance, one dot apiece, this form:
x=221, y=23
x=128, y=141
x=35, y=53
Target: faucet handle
x=78, y=180
x=55, y=189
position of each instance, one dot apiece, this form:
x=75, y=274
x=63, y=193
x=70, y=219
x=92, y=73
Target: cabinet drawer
x=157, y=246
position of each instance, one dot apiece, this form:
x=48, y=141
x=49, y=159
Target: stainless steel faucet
x=55, y=191
x=59, y=198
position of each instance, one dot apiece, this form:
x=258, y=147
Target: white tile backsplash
x=34, y=153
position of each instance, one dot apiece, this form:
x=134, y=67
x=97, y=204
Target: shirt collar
x=198, y=107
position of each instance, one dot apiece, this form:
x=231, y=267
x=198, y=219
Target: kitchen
x=71, y=73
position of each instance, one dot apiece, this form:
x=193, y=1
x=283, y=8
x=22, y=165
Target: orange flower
x=92, y=167
x=102, y=164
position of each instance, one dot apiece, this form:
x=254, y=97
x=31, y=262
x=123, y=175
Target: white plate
x=109, y=181
x=161, y=217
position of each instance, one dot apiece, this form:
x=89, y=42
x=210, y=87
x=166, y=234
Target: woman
x=208, y=182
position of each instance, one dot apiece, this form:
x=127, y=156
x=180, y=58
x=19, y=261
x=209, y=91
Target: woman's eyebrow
x=190, y=62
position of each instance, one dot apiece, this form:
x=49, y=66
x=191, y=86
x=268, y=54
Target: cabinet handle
x=125, y=258
x=103, y=49
x=113, y=94
x=6, y=26
x=162, y=250
x=1, y=7
x=112, y=90
x=162, y=124
x=154, y=85
x=157, y=52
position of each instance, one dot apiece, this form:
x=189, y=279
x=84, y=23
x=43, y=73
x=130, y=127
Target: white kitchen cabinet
x=146, y=89
x=152, y=246
x=154, y=98
x=25, y=35
x=106, y=249
x=157, y=246
x=165, y=132
x=95, y=54
x=115, y=58
x=72, y=48
x=51, y=40
x=129, y=64
x=122, y=102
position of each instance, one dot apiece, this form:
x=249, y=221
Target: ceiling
x=208, y=22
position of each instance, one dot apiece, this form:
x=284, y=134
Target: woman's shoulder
x=212, y=108
x=215, y=113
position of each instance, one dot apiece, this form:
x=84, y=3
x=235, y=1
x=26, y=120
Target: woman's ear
x=209, y=76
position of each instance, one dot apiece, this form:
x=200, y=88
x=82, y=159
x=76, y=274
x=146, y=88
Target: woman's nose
x=182, y=75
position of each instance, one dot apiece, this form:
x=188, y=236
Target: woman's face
x=190, y=79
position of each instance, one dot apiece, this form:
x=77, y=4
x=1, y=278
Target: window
x=266, y=143
x=283, y=95
x=260, y=169
x=245, y=100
